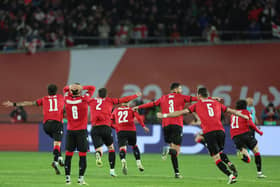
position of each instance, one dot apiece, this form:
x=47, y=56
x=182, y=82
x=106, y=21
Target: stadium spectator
x=104, y=31
x=18, y=115
x=270, y=115
x=132, y=21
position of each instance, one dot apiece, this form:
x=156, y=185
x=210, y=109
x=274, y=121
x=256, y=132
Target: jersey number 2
x=99, y=102
x=123, y=116
x=53, y=105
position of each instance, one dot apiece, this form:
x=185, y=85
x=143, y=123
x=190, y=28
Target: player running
x=172, y=127
x=53, y=105
x=101, y=132
x=76, y=106
x=123, y=122
x=243, y=138
x=209, y=112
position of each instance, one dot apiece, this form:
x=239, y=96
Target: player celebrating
x=209, y=112
x=76, y=106
x=101, y=132
x=123, y=120
x=243, y=138
x=53, y=105
x=172, y=127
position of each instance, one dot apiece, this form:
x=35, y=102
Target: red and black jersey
x=77, y=109
x=101, y=108
x=240, y=125
x=209, y=112
x=52, y=107
x=170, y=103
x=123, y=119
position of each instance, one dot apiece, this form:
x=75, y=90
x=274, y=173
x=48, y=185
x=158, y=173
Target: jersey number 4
x=53, y=105
x=123, y=116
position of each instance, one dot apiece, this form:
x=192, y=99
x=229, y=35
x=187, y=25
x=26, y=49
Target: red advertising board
x=229, y=71
x=21, y=137
x=25, y=77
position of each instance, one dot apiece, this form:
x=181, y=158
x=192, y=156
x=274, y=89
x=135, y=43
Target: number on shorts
x=210, y=110
x=123, y=116
x=75, y=112
x=234, y=122
x=99, y=102
x=171, y=106
x=53, y=105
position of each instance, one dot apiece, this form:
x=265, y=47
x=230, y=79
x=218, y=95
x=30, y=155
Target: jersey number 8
x=75, y=112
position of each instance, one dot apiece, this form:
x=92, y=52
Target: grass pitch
x=33, y=169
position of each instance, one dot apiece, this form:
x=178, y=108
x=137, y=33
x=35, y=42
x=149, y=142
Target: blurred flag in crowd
x=275, y=30
x=27, y=1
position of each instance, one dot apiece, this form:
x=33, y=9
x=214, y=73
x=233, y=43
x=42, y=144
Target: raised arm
x=90, y=90
x=23, y=103
x=141, y=122
x=174, y=114
x=65, y=90
x=148, y=105
x=251, y=124
x=237, y=113
x=129, y=98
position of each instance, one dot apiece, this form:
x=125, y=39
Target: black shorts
x=245, y=140
x=54, y=129
x=101, y=134
x=127, y=138
x=77, y=139
x=253, y=132
x=173, y=134
x=215, y=141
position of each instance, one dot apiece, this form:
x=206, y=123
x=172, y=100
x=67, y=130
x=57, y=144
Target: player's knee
x=57, y=143
x=256, y=149
x=172, y=152
x=216, y=157
x=111, y=147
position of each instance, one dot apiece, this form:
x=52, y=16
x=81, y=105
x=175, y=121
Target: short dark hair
x=174, y=85
x=102, y=92
x=203, y=92
x=241, y=104
x=52, y=89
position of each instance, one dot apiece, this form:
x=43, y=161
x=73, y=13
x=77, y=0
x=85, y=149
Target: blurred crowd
x=64, y=23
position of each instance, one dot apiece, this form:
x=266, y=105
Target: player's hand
x=8, y=103
x=261, y=133
x=146, y=129
x=135, y=108
x=138, y=94
x=159, y=115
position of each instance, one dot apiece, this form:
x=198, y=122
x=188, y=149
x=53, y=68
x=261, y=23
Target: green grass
x=28, y=169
